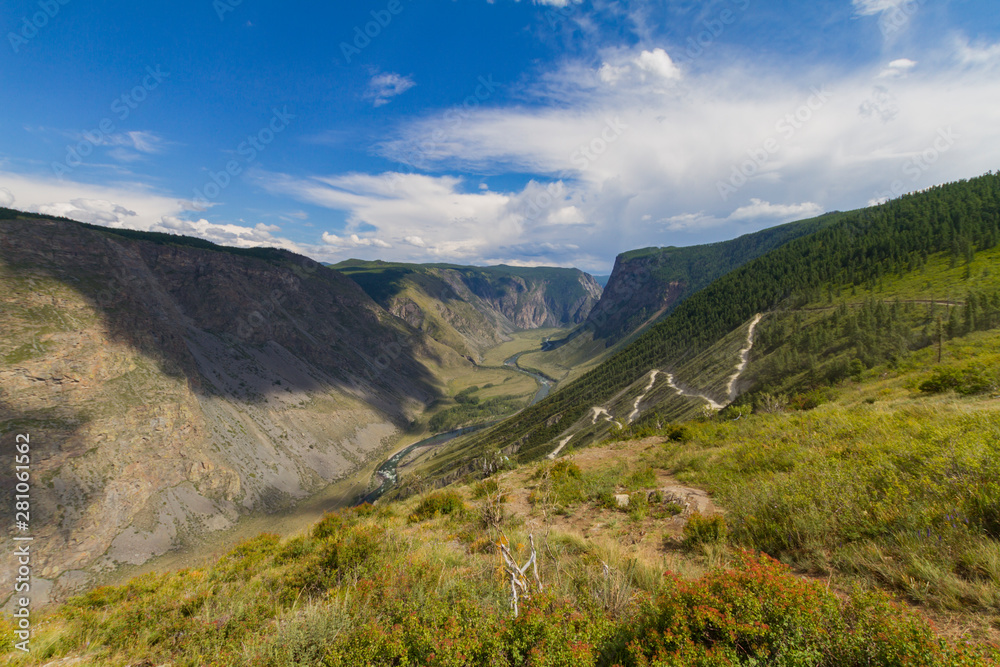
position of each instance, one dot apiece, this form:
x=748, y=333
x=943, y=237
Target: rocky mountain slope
x=170, y=386
x=473, y=308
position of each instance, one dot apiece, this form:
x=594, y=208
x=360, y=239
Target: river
x=387, y=471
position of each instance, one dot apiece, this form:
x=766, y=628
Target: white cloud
x=869, y=7
x=6, y=198
x=651, y=69
x=657, y=63
x=383, y=87
x=671, y=150
x=433, y=213
x=976, y=54
x=611, y=74
x=133, y=206
x=94, y=211
x=758, y=211
x=353, y=241
x=228, y=234
x=897, y=67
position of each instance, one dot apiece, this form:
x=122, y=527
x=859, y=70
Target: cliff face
x=636, y=293
x=474, y=308
x=169, y=390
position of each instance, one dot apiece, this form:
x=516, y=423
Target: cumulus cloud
x=136, y=207
x=353, y=241
x=6, y=198
x=657, y=64
x=383, y=87
x=626, y=164
x=897, y=67
x=94, y=211
x=652, y=68
x=757, y=209
x=230, y=234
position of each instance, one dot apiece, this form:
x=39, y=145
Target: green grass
x=370, y=587
x=885, y=483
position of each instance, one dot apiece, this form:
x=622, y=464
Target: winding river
x=387, y=471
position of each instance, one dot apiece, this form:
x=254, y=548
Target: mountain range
x=174, y=389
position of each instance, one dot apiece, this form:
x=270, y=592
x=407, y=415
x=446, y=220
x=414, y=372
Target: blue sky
x=551, y=132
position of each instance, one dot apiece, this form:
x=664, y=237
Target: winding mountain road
x=741, y=365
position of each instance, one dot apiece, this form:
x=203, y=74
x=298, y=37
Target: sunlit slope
x=860, y=250
x=646, y=286
x=471, y=308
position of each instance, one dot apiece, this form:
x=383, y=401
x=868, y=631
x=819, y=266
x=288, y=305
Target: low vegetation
x=472, y=410
x=368, y=587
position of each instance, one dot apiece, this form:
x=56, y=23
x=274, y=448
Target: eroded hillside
x=170, y=387
x=471, y=308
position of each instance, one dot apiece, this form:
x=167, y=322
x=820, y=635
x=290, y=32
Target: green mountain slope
x=647, y=284
x=473, y=308
x=859, y=250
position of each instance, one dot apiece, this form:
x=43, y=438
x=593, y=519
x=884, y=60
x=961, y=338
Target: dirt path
x=562, y=443
x=680, y=392
x=635, y=407
x=590, y=522
x=744, y=357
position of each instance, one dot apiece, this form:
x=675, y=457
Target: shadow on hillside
x=241, y=324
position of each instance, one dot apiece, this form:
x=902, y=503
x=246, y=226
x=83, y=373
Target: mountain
x=708, y=337
x=472, y=308
x=171, y=386
x=646, y=285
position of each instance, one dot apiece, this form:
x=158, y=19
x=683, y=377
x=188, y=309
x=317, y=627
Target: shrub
x=331, y=524
x=677, y=433
x=565, y=470
x=437, y=503
x=972, y=379
x=811, y=399
x=247, y=556
x=701, y=529
x=758, y=614
x=638, y=506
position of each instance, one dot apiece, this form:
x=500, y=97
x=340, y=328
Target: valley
x=804, y=442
